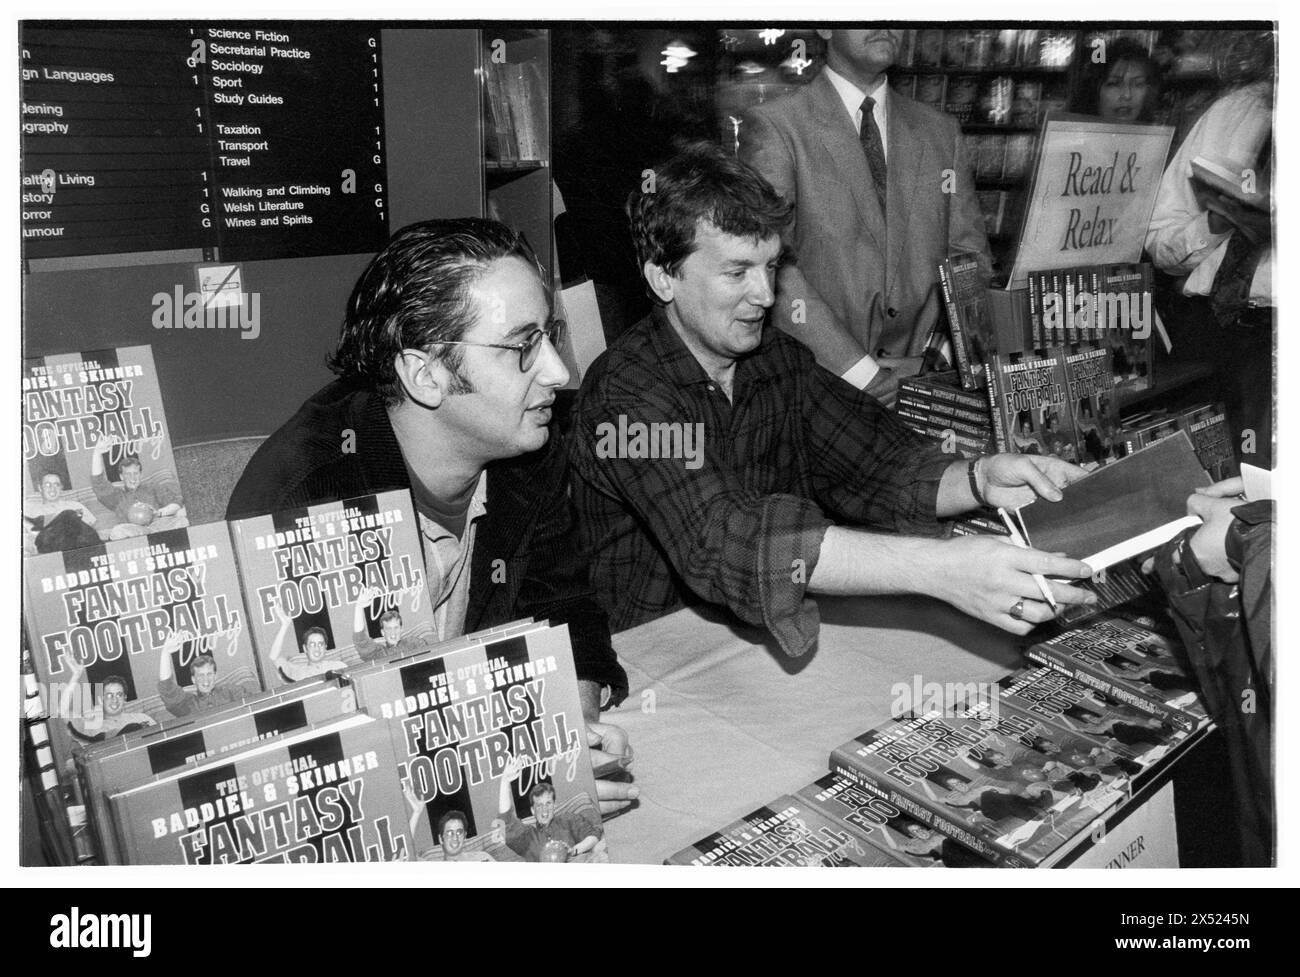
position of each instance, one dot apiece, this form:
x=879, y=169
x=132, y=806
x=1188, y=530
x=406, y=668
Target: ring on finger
x=1018, y=610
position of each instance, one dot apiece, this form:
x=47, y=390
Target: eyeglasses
x=527, y=350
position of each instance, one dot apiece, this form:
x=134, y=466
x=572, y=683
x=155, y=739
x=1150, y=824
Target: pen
x=1018, y=539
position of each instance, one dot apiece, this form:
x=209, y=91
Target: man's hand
x=105, y=442
x=893, y=370
x=1208, y=542
x=988, y=578
x=1229, y=488
x=1009, y=481
x=611, y=754
x=1227, y=214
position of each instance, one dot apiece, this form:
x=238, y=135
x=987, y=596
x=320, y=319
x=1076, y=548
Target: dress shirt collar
x=851, y=95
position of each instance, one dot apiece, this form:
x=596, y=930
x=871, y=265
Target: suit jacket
x=528, y=524
x=866, y=282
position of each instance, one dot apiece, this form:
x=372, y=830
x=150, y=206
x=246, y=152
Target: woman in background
x=1123, y=87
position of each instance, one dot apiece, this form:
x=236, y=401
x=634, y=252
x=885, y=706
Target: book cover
x=1207, y=426
x=1126, y=318
x=96, y=442
x=964, y=290
x=785, y=832
x=1120, y=510
x=114, y=765
x=329, y=793
x=1115, y=587
x=1090, y=387
x=1076, y=765
x=978, y=781
x=1029, y=403
x=1103, y=657
x=885, y=826
x=1103, y=729
x=121, y=633
x=463, y=711
x=311, y=573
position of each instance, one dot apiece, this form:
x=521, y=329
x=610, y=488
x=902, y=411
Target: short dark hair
x=114, y=680
x=414, y=293
x=394, y=614
x=1091, y=75
x=315, y=630
x=540, y=789
x=448, y=817
x=203, y=660
x=701, y=183
x=130, y=461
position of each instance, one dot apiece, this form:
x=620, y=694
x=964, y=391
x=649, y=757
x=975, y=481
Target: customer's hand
x=1208, y=542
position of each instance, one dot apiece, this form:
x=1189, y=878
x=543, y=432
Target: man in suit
x=880, y=199
x=447, y=380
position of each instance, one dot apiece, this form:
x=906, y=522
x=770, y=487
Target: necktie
x=873, y=148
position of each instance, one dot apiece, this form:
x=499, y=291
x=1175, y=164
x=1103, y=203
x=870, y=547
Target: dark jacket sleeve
x=556, y=586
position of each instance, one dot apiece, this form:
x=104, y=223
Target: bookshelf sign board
x=200, y=142
x=1093, y=191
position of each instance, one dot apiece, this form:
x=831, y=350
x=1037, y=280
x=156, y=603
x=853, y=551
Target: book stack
x=935, y=407
x=358, y=771
x=1004, y=780
x=196, y=688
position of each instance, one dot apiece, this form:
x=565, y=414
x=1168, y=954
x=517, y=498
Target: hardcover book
x=96, y=443
x=1120, y=510
x=788, y=831
x=112, y=766
x=328, y=793
x=1028, y=397
x=979, y=781
x=1104, y=730
x=117, y=629
x=885, y=826
x=1126, y=295
x=1090, y=387
x=964, y=286
x=463, y=710
x=312, y=574
x=1207, y=426
x=1114, y=659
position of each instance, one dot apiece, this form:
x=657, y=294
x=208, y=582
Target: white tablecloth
x=721, y=721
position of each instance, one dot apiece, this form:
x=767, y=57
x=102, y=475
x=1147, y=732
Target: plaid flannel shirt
x=795, y=451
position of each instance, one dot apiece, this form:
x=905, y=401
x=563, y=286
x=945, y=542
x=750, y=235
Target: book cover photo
x=96, y=446
x=333, y=585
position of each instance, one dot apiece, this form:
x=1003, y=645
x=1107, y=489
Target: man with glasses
x=108, y=717
x=447, y=378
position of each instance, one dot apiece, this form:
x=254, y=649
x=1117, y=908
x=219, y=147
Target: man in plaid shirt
x=715, y=462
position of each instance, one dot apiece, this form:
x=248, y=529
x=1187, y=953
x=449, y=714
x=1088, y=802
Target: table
x=722, y=721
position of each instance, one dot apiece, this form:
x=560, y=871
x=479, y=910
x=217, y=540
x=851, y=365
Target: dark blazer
x=867, y=283
x=528, y=524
